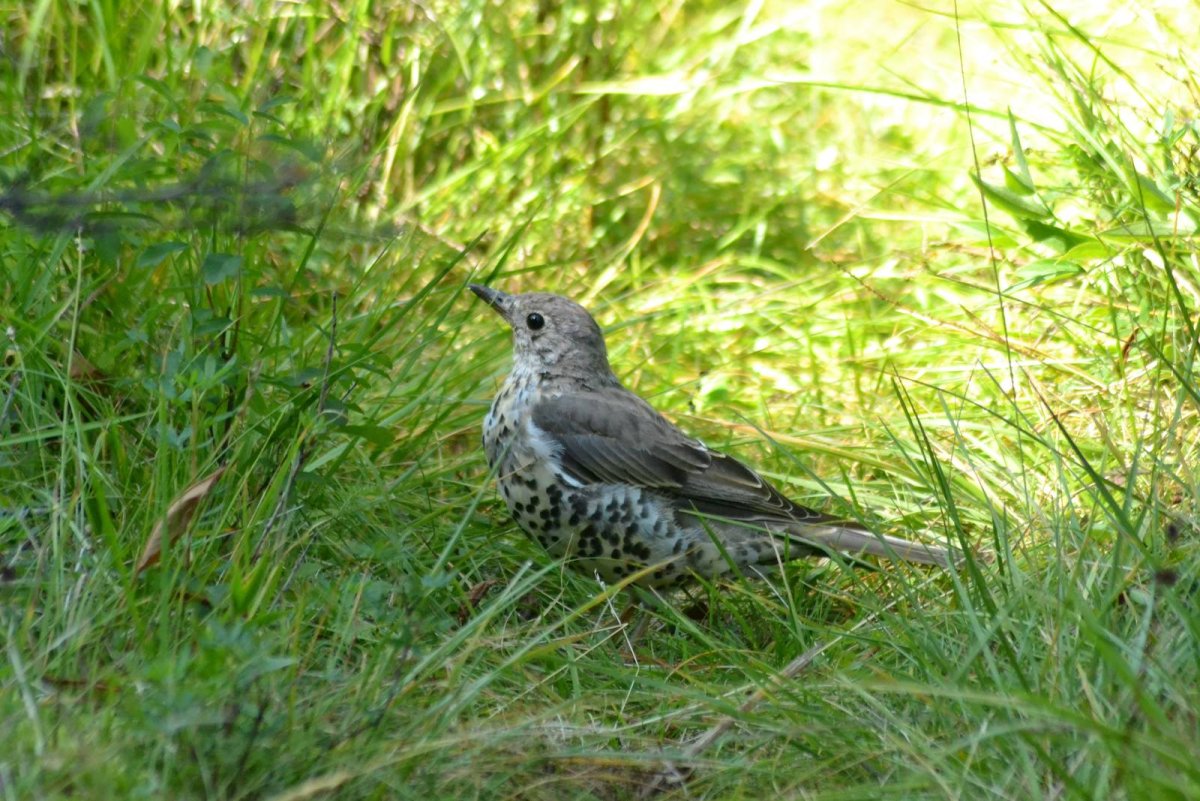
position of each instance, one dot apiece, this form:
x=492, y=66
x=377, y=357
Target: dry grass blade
x=176, y=520
x=673, y=776
x=314, y=787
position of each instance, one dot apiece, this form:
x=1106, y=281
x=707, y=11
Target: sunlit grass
x=932, y=267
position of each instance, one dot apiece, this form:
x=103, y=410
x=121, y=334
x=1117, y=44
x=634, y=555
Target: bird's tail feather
x=857, y=542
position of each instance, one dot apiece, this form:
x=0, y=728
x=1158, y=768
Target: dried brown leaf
x=83, y=371
x=473, y=598
x=175, y=521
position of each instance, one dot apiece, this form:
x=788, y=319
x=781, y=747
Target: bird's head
x=551, y=334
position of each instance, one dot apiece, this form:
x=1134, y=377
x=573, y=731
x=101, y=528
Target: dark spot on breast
x=632, y=545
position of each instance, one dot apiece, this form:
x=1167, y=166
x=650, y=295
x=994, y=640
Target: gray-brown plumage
x=597, y=476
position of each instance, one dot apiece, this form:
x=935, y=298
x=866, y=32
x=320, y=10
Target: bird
x=602, y=480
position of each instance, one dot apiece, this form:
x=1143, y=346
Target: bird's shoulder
x=614, y=413
x=612, y=435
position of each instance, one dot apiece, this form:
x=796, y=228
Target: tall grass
x=934, y=268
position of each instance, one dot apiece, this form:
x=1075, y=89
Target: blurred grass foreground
x=933, y=266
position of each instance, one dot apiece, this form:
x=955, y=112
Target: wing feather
x=615, y=437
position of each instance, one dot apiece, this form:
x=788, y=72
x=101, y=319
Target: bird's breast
x=506, y=436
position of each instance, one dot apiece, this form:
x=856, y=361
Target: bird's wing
x=616, y=437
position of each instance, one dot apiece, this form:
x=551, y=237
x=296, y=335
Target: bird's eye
x=535, y=321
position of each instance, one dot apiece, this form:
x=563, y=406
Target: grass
x=931, y=266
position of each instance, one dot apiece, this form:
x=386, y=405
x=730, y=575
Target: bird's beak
x=499, y=301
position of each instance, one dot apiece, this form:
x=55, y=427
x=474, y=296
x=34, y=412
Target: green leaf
x=211, y=325
x=1090, y=250
x=1010, y=201
x=1052, y=235
x=224, y=110
x=219, y=267
x=1044, y=271
x=1147, y=232
x=231, y=110
x=306, y=149
x=107, y=246
x=274, y=102
x=1022, y=176
x=158, y=87
x=202, y=61
x=1013, y=182
x=262, y=666
x=978, y=232
x=156, y=253
x=304, y=378
x=1155, y=199
x=376, y=435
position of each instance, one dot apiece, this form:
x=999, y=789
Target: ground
x=933, y=267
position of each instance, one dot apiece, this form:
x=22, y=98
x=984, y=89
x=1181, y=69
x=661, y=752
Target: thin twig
x=672, y=776
x=14, y=383
x=306, y=448
x=404, y=220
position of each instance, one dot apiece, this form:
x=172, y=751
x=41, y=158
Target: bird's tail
x=856, y=542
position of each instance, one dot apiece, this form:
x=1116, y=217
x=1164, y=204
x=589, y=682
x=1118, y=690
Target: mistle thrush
x=598, y=477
